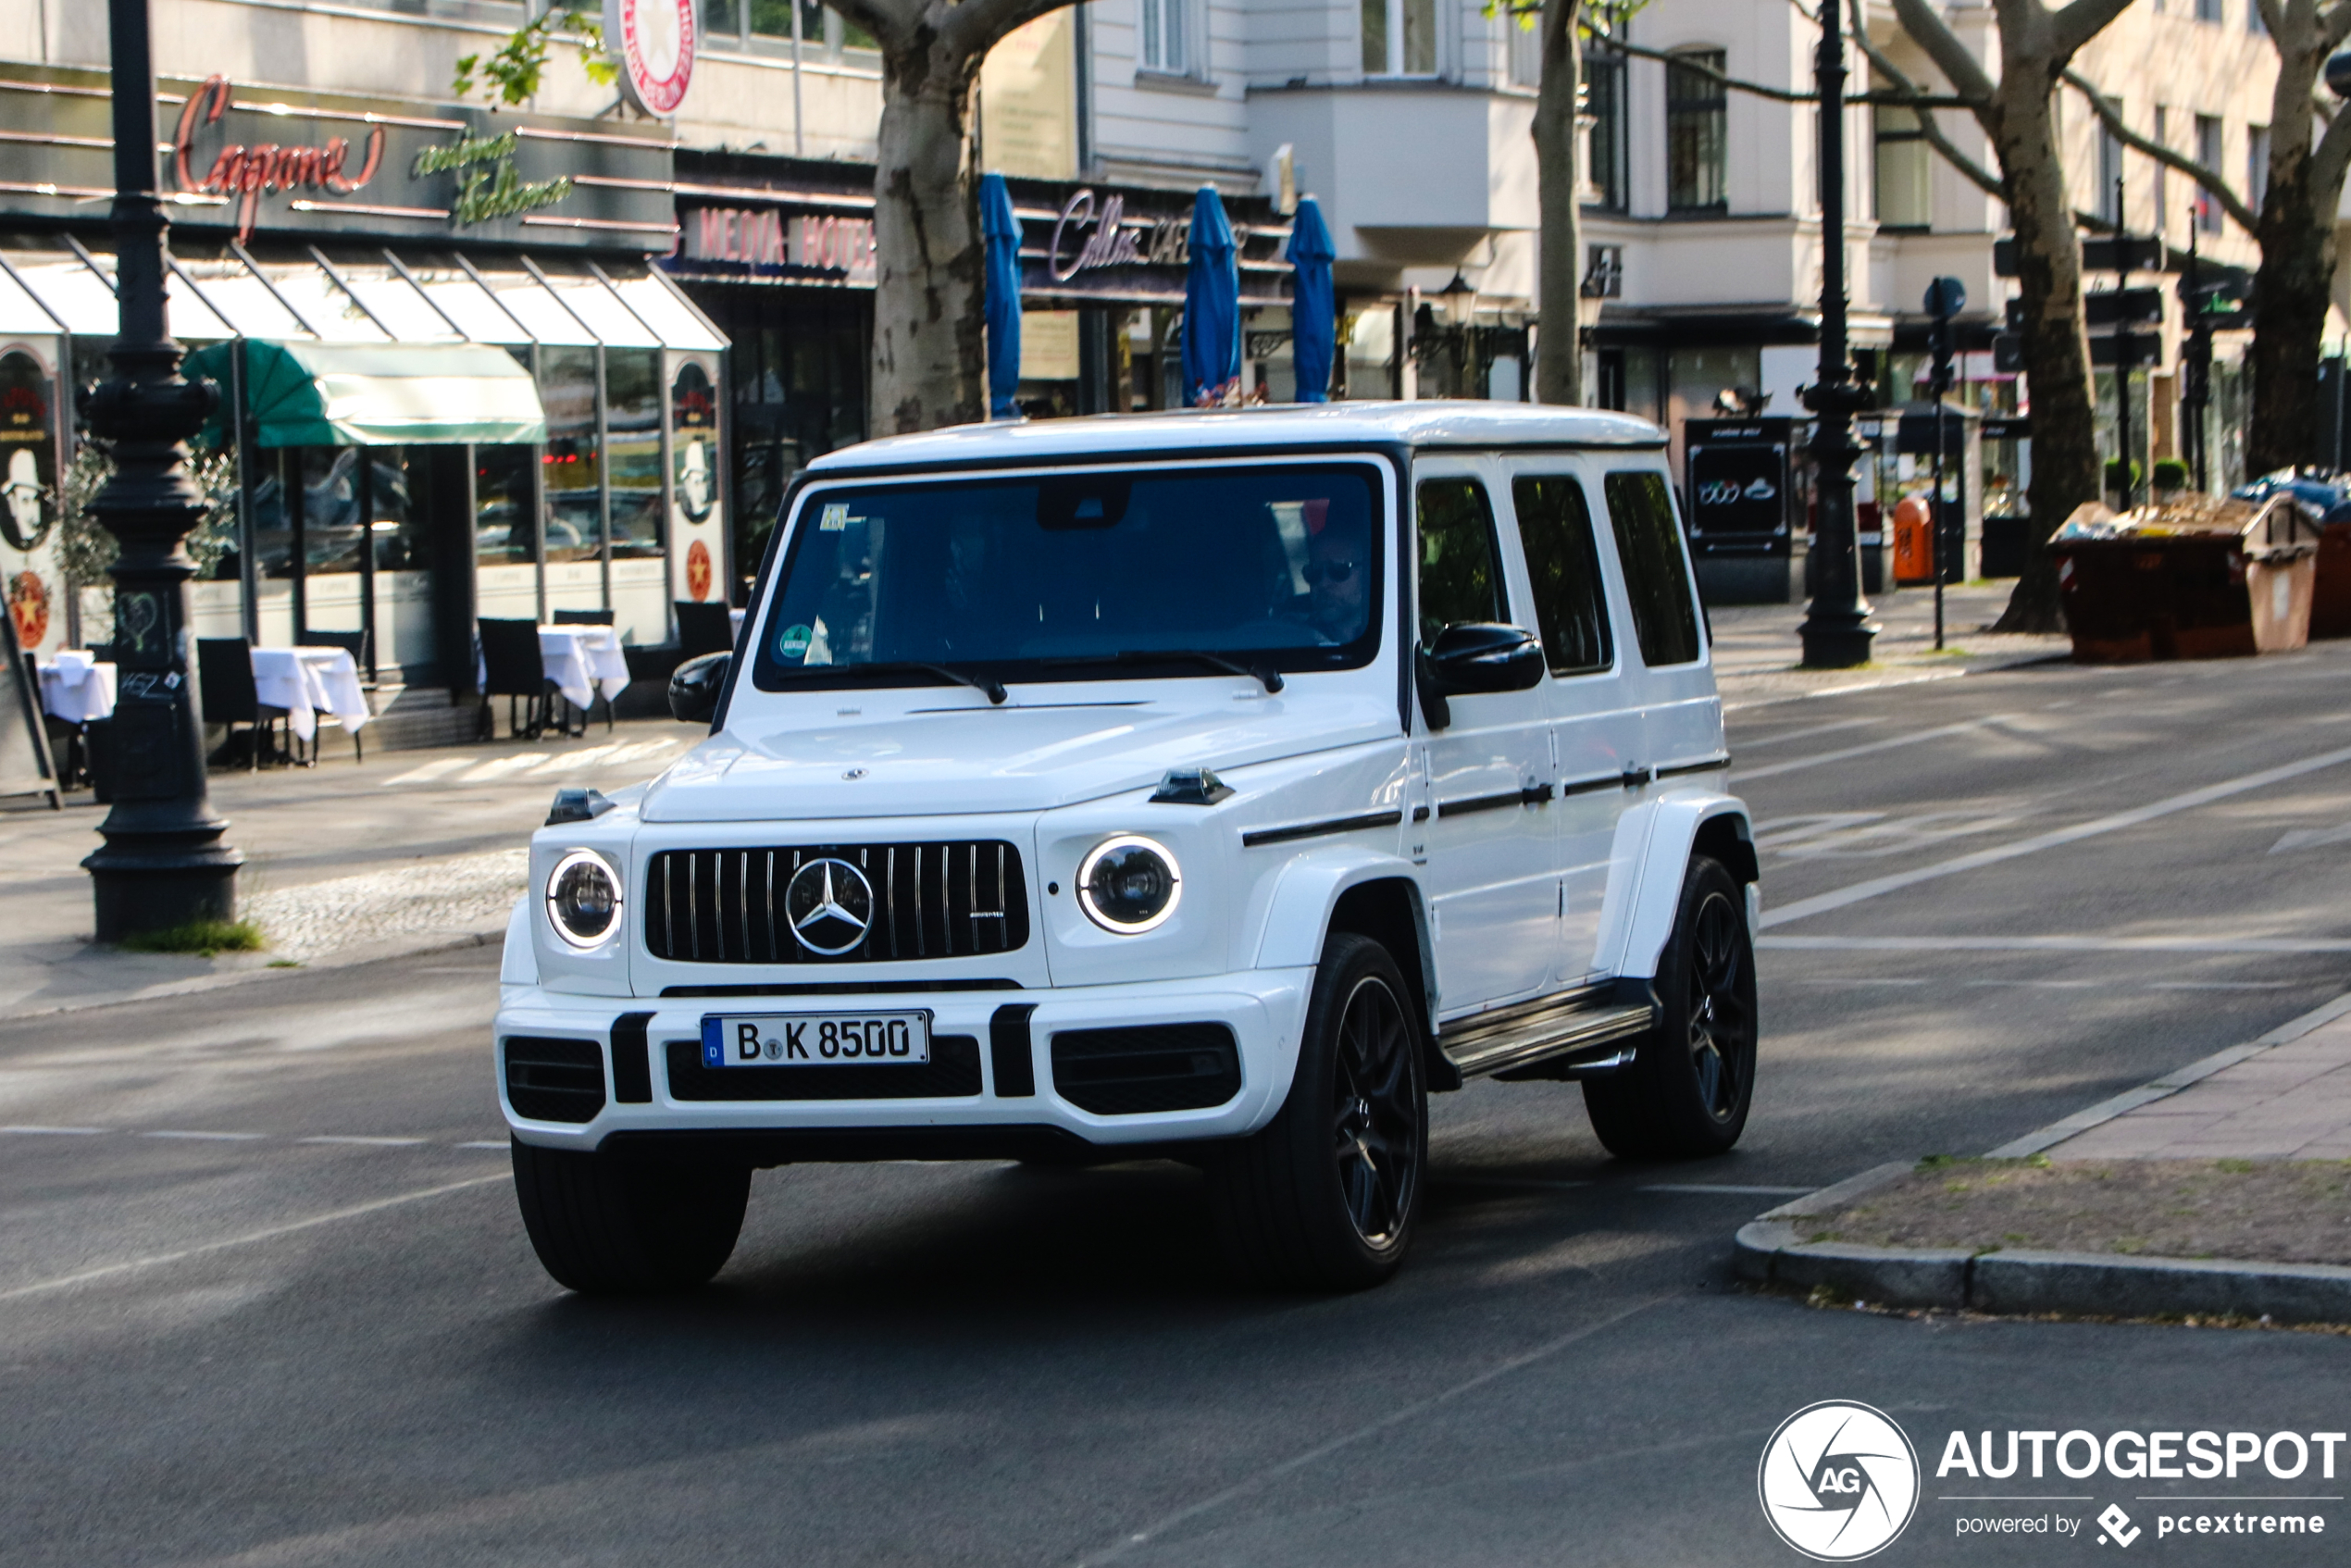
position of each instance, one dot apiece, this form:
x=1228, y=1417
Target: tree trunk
x=2293, y=288
x=2056, y=354
x=1559, y=361
x=929, y=364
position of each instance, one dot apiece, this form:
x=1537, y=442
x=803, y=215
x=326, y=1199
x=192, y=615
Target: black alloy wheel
x=1324, y=1197
x=1687, y=1091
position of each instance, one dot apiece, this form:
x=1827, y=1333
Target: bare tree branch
x=1912, y=98
x=2079, y=22
x=2334, y=151
x=2110, y=115
x=2334, y=26
x=2272, y=17
x=1960, y=69
x=976, y=26
x=1984, y=178
x=890, y=21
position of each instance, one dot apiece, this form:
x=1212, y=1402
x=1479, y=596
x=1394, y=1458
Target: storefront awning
x=380, y=394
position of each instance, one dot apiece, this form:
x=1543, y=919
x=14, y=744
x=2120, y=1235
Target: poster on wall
x=697, y=551
x=29, y=564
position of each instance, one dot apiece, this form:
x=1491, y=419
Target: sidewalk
x=344, y=862
x=1757, y=648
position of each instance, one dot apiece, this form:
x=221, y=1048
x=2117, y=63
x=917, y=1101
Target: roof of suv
x=1195, y=431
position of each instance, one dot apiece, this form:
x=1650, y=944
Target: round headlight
x=583, y=899
x=1129, y=885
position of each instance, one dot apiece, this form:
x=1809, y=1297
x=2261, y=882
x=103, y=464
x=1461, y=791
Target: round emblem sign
x=653, y=41
x=1838, y=1480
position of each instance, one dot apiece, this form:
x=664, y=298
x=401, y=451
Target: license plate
x=815, y=1039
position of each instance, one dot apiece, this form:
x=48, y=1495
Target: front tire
x=1686, y=1094
x=1324, y=1197
x=607, y=1224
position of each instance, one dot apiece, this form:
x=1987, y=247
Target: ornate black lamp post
x=1837, y=629
x=162, y=863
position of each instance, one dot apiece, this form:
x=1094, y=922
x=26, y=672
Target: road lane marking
x=1746, y=745
x=221, y=1136
x=1708, y=1186
x=368, y=1143
x=1750, y=774
x=2225, y=985
x=58, y=1132
x=501, y=1147
x=292, y=1227
x=2056, y=944
x=1393, y=1419
x=1804, y=909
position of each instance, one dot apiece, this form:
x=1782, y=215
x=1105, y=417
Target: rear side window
x=1657, y=576
x=1555, y=526
x=1461, y=571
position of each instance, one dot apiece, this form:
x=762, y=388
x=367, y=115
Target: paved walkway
x=1757, y=648
x=2288, y=1100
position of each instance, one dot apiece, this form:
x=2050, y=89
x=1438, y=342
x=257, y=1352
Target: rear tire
x=1686, y=1094
x=1324, y=1197
x=607, y=1224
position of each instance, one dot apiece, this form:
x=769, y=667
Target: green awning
x=379, y=395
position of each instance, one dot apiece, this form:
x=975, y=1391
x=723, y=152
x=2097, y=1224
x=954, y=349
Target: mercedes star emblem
x=829, y=905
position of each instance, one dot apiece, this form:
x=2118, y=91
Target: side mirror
x=695, y=687
x=1484, y=656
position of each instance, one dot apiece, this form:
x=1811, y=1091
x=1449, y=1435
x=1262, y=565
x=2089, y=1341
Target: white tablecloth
x=77, y=688
x=308, y=681
x=583, y=661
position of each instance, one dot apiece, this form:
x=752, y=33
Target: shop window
x=1902, y=169
x=1696, y=151
x=632, y=432
x=502, y=534
x=1167, y=36
x=1657, y=579
x=1606, y=166
x=1399, y=37
x=1461, y=577
x=1555, y=526
x=573, y=522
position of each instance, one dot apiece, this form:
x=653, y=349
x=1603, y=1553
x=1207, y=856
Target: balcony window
x=1399, y=37
x=1605, y=172
x=1695, y=132
x=1167, y=36
x=1901, y=169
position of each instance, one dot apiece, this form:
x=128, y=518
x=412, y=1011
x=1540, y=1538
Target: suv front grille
x=949, y=899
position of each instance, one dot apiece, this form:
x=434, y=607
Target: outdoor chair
x=65, y=748
x=355, y=644
x=224, y=673
x=703, y=629
x=512, y=669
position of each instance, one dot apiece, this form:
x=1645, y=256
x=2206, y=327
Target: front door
x=1492, y=871
x=1596, y=724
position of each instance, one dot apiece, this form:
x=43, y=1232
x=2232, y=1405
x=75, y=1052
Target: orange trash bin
x=1913, y=541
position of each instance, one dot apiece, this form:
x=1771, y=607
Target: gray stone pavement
x=1756, y=649
x=344, y=862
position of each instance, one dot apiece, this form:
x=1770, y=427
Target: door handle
x=1637, y=773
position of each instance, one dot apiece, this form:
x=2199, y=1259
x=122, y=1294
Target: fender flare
x=1306, y=892
x=1673, y=831
x=518, y=964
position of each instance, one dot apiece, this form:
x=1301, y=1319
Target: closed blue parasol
x=1312, y=312
x=1212, y=305
x=999, y=231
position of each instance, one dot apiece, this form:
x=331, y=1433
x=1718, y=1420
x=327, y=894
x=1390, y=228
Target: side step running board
x=1584, y=1022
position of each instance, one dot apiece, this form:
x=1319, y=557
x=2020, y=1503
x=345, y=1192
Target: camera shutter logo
x=830, y=906
x=1839, y=1481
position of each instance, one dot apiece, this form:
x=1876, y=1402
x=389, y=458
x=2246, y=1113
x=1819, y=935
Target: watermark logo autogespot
x=1839, y=1481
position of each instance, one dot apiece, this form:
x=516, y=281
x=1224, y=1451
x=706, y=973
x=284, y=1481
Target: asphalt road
x=317, y=1334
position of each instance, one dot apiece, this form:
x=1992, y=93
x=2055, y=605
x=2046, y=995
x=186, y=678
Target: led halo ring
x=554, y=883
x=1126, y=841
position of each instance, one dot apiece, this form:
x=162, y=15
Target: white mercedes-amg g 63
x=1204, y=786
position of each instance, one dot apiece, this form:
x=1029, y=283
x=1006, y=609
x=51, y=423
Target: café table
x=76, y=686
x=306, y=682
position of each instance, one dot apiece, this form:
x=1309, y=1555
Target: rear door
x=1594, y=721
x=1492, y=873
x=1682, y=715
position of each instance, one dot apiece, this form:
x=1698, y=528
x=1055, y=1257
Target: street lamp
x=162, y=863
x=1837, y=630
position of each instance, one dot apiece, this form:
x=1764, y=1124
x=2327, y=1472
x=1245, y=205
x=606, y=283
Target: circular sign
x=654, y=41
x=1838, y=1480
x=698, y=573
x=28, y=603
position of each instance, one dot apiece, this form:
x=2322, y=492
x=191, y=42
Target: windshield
x=1079, y=577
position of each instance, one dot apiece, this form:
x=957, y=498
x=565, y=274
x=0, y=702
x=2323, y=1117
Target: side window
x=1656, y=576
x=1460, y=571
x=1555, y=526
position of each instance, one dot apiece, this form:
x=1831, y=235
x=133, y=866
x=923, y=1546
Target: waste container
x=2193, y=578
x=1913, y=541
x=2327, y=496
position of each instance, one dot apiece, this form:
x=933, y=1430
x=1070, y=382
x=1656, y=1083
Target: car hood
x=1004, y=759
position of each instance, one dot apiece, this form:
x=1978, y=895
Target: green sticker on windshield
x=792, y=641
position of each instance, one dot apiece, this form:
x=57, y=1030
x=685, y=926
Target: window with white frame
x=1167, y=36
x=2207, y=153
x=1399, y=37
x=1696, y=145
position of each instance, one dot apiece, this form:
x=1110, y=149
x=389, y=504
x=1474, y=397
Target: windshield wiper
x=987, y=685
x=1264, y=674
